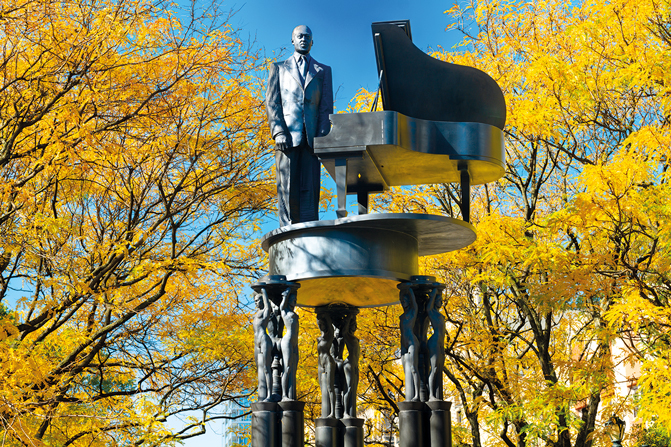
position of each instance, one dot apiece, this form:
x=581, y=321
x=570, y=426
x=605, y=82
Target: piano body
x=442, y=123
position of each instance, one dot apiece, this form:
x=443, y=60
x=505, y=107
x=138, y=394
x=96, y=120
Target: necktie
x=302, y=68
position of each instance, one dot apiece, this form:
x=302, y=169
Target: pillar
x=410, y=423
x=265, y=424
x=293, y=431
x=326, y=432
x=353, y=436
x=440, y=423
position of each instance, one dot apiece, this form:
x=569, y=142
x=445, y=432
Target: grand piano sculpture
x=442, y=123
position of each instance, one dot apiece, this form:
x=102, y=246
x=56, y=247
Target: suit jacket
x=292, y=107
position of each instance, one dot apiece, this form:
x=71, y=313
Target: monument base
x=440, y=423
x=293, y=431
x=326, y=432
x=265, y=424
x=353, y=432
x=278, y=424
x=425, y=424
x=345, y=432
x=411, y=424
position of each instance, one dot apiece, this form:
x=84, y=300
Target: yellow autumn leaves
x=572, y=255
x=130, y=155
x=131, y=145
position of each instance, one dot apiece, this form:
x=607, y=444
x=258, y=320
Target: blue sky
x=341, y=32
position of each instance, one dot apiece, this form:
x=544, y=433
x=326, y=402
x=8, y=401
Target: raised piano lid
x=420, y=86
x=439, y=118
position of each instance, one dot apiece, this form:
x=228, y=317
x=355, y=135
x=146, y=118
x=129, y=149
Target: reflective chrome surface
x=386, y=149
x=359, y=260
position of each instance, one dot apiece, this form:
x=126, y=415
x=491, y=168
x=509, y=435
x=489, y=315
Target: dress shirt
x=302, y=61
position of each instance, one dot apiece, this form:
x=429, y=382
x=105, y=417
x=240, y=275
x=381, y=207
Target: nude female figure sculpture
x=409, y=344
x=351, y=367
x=327, y=365
x=289, y=344
x=263, y=345
x=436, y=344
x=337, y=352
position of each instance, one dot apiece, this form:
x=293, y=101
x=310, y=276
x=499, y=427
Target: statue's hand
x=274, y=308
x=281, y=142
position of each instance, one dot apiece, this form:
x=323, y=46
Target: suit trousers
x=298, y=184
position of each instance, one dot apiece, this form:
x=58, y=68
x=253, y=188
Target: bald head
x=301, y=38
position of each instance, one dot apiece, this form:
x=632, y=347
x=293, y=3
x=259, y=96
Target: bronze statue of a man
x=299, y=99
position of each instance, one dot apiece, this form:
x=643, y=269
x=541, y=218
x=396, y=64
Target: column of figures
x=277, y=417
x=424, y=417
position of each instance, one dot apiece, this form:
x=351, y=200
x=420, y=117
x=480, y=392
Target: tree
x=132, y=178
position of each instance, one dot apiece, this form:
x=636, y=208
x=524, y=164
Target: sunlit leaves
x=131, y=137
x=572, y=255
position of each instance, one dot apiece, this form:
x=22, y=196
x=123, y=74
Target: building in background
x=237, y=431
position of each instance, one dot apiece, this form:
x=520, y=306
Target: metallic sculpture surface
x=263, y=345
x=342, y=319
x=338, y=352
x=424, y=417
x=359, y=260
x=327, y=364
x=418, y=85
x=409, y=343
x=289, y=344
x=351, y=366
x=299, y=99
x=422, y=359
x=338, y=377
x=441, y=123
x=436, y=345
x=391, y=149
x=277, y=417
x=276, y=350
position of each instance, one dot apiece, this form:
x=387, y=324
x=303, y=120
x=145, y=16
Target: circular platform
x=359, y=260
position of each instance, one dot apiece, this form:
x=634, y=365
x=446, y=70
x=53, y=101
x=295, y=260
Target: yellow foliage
x=573, y=247
x=131, y=148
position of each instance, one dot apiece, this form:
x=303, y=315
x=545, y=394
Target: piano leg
x=341, y=186
x=465, y=193
x=362, y=198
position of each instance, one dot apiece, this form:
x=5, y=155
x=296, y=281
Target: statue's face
x=258, y=300
x=301, y=38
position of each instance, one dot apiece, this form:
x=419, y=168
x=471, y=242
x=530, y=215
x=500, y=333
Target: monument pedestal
x=265, y=424
x=345, y=432
x=411, y=423
x=326, y=432
x=353, y=432
x=432, y=130
x=425, y=424
x=293, y=432
x=278, y=424
x=440, y=423
x=360, y=260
